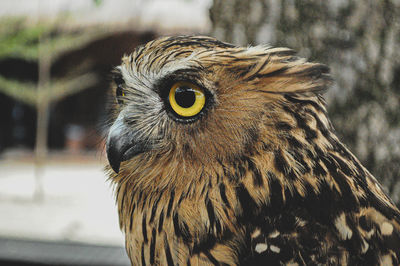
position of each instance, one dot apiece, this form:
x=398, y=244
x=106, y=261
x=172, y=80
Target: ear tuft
x=283, y=72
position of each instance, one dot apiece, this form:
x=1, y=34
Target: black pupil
x=185, y=96
x=119, y=94
x=119, y=91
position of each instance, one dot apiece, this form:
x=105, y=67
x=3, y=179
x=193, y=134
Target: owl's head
x=190, y=101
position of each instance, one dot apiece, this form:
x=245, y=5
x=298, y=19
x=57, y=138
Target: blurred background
x=55, y=58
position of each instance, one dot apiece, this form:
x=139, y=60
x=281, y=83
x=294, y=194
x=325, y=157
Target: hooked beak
x=122, y=144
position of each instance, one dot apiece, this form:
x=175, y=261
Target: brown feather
x=259, y=177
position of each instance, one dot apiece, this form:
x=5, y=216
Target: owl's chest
x=198, y=231
x=194, y=233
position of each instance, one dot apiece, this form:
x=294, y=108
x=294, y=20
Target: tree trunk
x=42, y=122
x=360, y=41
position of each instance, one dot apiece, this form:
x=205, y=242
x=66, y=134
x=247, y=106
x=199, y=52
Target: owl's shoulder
x=297, y=237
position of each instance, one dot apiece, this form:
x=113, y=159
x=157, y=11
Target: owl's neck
x=295, y=161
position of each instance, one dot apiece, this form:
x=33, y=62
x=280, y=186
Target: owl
x=225, y=155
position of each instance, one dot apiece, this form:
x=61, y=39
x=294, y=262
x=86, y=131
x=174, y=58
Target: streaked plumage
x=257, y=177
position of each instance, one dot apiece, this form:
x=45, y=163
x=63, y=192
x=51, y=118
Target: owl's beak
x=122, y=144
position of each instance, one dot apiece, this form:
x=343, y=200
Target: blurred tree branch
x=43, y=44
x=27, y=92
x=18, y=40
x=21, y=91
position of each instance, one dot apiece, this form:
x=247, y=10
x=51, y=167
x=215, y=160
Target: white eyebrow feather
x=141, y=77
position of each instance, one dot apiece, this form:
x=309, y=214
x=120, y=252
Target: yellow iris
x=186, y=99
x=119, y=93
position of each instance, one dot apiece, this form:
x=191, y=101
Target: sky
x=143, y=14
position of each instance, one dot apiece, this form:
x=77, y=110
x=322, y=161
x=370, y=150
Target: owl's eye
x=186, y=99
x=119, y=92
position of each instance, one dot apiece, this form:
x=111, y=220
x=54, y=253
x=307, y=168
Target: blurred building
x=75, y=122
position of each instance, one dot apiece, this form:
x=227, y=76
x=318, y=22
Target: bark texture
x=360, y=42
